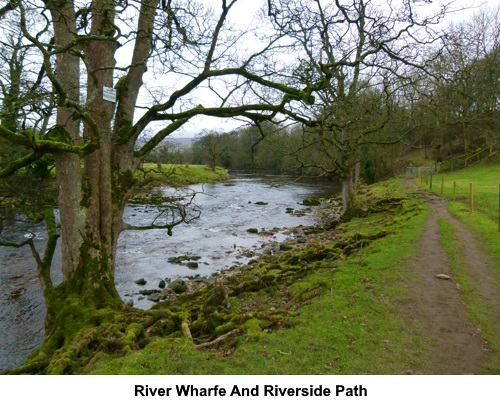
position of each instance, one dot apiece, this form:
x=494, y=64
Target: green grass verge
x=484, y=221
x=479, y=309
x=341, y=315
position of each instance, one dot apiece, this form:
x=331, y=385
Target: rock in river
x=148, y=292
x=191, y=265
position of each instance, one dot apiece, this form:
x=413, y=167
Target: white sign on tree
x=109, y=94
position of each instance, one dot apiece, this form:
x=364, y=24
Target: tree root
x=227, y=335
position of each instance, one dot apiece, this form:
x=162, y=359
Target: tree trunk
x=357, y=171
x=68, y=169
x=347, y=184
x=347, y=192
x=90, y=223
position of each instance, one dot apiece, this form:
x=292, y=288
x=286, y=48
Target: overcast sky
x=242, y=14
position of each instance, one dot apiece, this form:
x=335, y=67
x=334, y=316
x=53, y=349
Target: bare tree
x=359, y=50
x=465, y=89
x=25, y=101
x=187, y=48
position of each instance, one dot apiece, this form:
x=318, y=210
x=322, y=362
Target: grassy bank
x=485, y=180
x=148, y=176
x=329, y=306
x=179, y=175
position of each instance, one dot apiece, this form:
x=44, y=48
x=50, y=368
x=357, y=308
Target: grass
x=180, y=175
x=483, y=222
x=480, y=310
x=486, y=181
x=340, y=316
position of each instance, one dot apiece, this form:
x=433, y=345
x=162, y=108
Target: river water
x=219, y=237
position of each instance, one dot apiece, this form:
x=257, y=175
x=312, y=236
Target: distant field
x=181, y=174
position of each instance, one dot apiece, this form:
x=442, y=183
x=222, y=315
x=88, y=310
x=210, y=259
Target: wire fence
x=488, y=197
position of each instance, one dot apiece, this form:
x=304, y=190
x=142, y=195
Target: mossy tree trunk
x=90, y=222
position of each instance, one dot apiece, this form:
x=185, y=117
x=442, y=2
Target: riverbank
x=335, y=299
x=228, y=210
x=342, y=300
x=154, y=175
x=148, y=177
x=326, y=302
x=151, y=176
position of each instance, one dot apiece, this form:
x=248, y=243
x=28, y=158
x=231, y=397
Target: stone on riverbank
x=178, y=285
x=311, y=202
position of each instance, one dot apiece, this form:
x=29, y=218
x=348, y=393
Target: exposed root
x=234, y=332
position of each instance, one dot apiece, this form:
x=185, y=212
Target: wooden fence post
x=471, y=198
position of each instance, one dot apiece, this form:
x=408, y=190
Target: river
x=219, y=237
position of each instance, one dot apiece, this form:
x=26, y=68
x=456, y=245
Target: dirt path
x=437, y=306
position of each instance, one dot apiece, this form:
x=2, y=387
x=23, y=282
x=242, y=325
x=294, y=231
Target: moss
x=197, y=326
x=132, y=333
x=58, y=134
x=124, y=129
x=86, y=193
x=253, y=326
x=121, y=184
x=225, y=328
